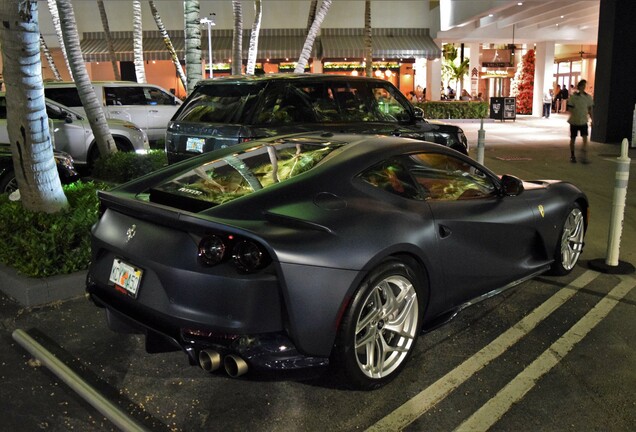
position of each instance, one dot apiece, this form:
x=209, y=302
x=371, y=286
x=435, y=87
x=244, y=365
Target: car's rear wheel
x=8, y=183
x=570, y=245
x=379, y=329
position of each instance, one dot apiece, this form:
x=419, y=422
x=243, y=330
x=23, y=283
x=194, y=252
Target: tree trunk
x=237, y=38
x=58, y=31
x=256, y=28
x=311, y=36
x=192, y=43
x=138, y=43
x=27, y=122
x=109, y=39
x=94, y=110
x=312, y=13
x=49, y=58
x=168, y=43
x=368, y=44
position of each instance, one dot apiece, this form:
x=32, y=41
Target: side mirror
x=68, y=118
x=511, y=185
x=419, y=113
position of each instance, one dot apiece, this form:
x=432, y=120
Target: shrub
x=121, y=167
x=454, y=110
x=41, y=244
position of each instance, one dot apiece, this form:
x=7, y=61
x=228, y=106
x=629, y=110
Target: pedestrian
x=547, y=103
x=565, y=94
x=580, y=107
x=557, y=99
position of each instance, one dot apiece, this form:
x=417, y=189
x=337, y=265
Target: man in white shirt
x=580, y=107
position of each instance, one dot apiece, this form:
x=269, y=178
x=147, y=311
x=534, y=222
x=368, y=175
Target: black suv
x=226, y=111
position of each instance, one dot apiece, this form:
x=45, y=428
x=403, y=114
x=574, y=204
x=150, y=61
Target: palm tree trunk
x=27, y=122
x=368, y=44
x=311, y=36
x=58, y=31
x=49, y=58
x=192, y=43
x=168, y=43
x=109, y=39
x=237, y=38
x=138, y=43
x=312, y=13
x=94, y=111
x=256, y=28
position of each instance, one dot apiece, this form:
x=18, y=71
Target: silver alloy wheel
x=386, y=327
x=572, y=239
x=11, y=186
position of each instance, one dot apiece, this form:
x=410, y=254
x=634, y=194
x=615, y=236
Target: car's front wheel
x=570, y=245
x=8, y=183
x=379, y=329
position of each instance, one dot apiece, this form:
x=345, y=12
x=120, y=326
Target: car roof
x=110, y=83
x=236, y=79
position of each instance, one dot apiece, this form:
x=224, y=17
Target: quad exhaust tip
x=234, y=365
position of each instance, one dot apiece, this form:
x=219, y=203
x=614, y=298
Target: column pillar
x=614, y=90
x=543, y=75
x=475, y=68
x=433, y=79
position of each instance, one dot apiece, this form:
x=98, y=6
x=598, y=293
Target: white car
x=73, y=133
x=148, y=106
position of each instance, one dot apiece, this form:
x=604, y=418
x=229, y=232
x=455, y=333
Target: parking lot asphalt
x=553, y=354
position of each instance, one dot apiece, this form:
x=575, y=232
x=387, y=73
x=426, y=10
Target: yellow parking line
x=429, y=397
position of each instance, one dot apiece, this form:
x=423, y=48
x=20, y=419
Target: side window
x=156, y=96
x=67, y=96
x=392, y=177
x=447, y=178
x=387, y=106
x=290, y=105
x=125, y=96
x=3, y=108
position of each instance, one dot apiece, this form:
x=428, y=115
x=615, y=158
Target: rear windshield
x=222, y=103
x=240, y=174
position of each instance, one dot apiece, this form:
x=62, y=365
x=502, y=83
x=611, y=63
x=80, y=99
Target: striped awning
x=273, y=44
x=386, y=43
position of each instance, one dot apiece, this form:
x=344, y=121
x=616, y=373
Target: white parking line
x=429, y=397
x=515, y=390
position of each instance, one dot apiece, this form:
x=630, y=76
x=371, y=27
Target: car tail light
x=248, y=256
x=211, y=250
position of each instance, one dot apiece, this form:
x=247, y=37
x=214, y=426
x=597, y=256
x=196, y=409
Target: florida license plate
x=126, y=277
x=195, y=144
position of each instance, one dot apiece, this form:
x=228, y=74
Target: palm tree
x=58, y=31
x=27, y=122
x=256, y=28
x=138, y=43
x=168, y=43
x=49, y=58
x=312, y=13
x=192, y=43
x=452, y=71
x=109, y=39
x=237, y=38
x=94, y=111
x=368, y=45
x=311, y=36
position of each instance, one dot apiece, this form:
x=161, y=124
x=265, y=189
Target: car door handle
x=444, y=231
x=115, y=112
x=153, y=111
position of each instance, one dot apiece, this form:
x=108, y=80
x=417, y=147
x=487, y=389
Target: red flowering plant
x=522, y=86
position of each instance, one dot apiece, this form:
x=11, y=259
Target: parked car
x=148, y=106
x=73, y=133
x=8, y=182
x=315, y=248
x=227, y=111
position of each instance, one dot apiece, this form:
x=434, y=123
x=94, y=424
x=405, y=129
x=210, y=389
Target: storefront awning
x=273, y=44
x=386, y=43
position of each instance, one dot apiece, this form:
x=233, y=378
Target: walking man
x=580, y=107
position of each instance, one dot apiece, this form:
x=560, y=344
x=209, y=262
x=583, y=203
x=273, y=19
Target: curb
x=31, y=292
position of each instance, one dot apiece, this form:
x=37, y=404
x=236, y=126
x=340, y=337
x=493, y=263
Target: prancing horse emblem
x=540, y=207
x=131, y=232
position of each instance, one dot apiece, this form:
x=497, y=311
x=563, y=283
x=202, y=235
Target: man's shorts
x=574, y=129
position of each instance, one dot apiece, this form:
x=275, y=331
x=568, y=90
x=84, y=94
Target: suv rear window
x=223, y=103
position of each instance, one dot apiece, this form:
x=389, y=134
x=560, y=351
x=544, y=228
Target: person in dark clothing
x=565, y=94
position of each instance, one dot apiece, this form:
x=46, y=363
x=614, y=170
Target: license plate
x=195, y=144
x=126, y=276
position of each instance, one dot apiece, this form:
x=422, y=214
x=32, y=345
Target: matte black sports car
x=8, y=183
x=314, y=249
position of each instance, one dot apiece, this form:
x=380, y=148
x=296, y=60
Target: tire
x=570, y=244
x=380, y=327
x=8, y=183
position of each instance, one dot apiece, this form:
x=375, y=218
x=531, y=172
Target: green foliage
x=121, y=167
x=41, y=244
x=454, y=109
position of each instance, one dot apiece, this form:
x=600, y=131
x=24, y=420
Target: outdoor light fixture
x=210, y=22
